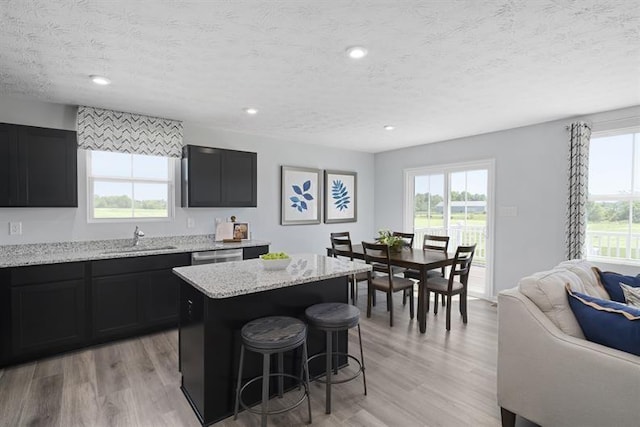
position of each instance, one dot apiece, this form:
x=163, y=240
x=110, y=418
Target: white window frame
x=170, y=192
x=629, y=197
x=447, y=170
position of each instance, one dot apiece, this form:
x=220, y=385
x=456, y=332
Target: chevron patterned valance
x=107, y=130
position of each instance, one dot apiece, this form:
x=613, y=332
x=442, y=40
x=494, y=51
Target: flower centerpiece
x=395, y=243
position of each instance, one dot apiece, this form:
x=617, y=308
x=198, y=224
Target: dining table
x=421, y=260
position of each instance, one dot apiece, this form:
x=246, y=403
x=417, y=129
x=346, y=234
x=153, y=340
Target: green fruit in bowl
x=274, y=255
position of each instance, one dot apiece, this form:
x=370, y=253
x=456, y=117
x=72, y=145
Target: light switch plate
x=191, y=223
x=15, y=228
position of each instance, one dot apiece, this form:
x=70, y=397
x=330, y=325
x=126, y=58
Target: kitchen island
x=216, y=300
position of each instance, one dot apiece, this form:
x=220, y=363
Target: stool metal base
x=329, y=356
x=339, y=353
x=276, y=411
x=266, y=375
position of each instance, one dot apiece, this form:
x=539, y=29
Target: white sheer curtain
x=578, y=189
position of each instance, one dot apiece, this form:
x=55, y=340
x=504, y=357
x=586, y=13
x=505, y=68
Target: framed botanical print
x=300, y=196
x=340, y=203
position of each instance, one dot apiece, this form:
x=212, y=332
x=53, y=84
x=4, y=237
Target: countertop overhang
x=56, y=253
x=231, y=279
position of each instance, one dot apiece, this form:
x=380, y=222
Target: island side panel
x=191, y=343
x=219, y=340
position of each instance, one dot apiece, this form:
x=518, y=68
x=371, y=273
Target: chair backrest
x=462, y=264
x=377, y=254
x=407, y=237
x=435, y=243
x=341, y=245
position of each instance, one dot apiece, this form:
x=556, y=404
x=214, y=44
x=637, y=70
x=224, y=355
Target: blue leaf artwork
x=300, y=203
x=340, y=195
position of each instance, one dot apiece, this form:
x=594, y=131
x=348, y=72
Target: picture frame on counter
x=300, y=195
x=340, y=196
x=241, y=230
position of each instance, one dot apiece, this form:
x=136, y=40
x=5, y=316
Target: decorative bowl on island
x=275, y=261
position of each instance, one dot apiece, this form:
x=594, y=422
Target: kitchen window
x=123, y=186
x=613, y=208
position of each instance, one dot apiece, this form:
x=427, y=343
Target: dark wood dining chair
x=448, y=287
x=408, y=243
x=430, y=242
x=382, y=278
x=341, y=247
x=407, y=237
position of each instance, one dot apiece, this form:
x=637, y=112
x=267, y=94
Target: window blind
x=107, y=130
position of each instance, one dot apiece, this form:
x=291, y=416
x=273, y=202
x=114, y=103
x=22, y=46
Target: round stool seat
x=333, y=316
x=273, y=333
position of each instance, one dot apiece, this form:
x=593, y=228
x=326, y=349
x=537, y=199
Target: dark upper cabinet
x=39, y=167
x=214, y=177
x=8, y=164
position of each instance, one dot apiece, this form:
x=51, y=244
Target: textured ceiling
x=436, y=69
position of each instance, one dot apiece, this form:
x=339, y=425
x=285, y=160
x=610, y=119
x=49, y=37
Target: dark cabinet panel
x=116, y=304
x=47, y=164
x=133, y=295
x=201, y=176
x=108, y=267
x=240, y=180
x=161, y=297
x=254, y=252
x=214, y=177
x=8, y=164
x=47, y=316
x=42, y=167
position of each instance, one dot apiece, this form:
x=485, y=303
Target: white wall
x=531, y=174
x=70, y=224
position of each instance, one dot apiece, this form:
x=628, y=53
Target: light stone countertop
x=56, y=253
x=230, y=279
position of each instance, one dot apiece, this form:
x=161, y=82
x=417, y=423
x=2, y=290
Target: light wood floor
x=436, y=379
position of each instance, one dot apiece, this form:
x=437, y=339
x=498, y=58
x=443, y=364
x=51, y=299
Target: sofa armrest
x=554, y=379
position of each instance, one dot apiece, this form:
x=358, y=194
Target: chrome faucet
x=137, y=234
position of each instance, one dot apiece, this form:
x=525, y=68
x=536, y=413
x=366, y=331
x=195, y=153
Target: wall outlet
x=15, y=228
x=191, y=223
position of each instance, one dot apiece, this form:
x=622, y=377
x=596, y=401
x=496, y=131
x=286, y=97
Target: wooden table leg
x=422, y=316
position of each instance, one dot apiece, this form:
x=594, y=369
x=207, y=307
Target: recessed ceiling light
x=251, y=110
x=389, y=127
x=356, y=52
x=100, y=80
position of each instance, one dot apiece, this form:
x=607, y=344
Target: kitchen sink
x=130, y=249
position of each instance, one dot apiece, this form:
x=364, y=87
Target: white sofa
x=547, y=372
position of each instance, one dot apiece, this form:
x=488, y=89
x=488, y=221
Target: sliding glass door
x=455, y=200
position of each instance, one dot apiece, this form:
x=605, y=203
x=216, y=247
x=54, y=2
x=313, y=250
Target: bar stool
x=334, y=317
x=269, y=335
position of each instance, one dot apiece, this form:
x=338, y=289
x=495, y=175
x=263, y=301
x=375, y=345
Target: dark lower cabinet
x=160, y=304
x=49, y=315
x=134, y=295
x=254, y=251
x=48, y=309
x=116, y=304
